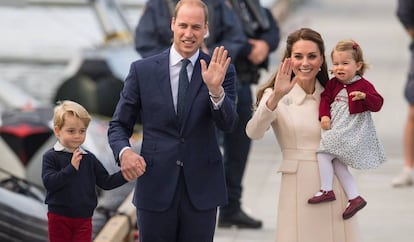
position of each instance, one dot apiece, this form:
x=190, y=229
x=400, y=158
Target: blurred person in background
x=153, y=32
x=262, y=32
x=405, y=13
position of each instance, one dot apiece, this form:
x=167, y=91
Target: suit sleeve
x=226, y=116
x=125, y=116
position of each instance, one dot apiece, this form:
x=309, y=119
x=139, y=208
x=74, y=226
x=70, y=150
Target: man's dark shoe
x=239, y=219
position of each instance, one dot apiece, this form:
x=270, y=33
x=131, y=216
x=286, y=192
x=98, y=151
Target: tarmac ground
x=36, y=45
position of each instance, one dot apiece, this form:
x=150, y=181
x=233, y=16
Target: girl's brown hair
x=357, y=54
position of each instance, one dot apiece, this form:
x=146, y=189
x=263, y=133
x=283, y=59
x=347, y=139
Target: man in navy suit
x=180, y=175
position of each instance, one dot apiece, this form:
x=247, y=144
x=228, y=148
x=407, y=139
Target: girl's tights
x=330, y=165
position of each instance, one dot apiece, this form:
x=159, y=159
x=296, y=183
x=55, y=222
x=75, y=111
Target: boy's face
x=72, y=134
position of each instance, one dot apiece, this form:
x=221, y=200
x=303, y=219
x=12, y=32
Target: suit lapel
x=163, y=78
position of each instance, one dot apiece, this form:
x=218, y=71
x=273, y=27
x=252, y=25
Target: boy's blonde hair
x=67, y=107
x=357, y=54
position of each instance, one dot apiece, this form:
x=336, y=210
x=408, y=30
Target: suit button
x=179, y=163
x=182, y=140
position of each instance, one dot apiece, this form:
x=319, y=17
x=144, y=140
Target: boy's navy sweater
x=72, y=192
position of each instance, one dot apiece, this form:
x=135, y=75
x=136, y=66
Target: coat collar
x=59, y=147
x=298, y=95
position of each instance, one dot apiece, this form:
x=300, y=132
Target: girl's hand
x=357, y=95
x=76, y=158
x=325, y=123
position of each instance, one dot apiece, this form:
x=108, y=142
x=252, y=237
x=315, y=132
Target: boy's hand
x=76, y=158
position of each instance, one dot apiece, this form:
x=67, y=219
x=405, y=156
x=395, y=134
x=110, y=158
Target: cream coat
x=296, y=126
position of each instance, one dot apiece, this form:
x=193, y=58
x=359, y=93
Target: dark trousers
x=236, y=147
x=182, y=222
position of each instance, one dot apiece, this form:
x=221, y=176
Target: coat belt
x=295, y=154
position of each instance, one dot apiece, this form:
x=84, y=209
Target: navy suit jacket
x=165, y=145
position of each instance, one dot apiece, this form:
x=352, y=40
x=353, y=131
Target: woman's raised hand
x=283, y=82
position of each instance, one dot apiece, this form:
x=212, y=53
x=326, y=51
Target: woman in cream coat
x=289, y=104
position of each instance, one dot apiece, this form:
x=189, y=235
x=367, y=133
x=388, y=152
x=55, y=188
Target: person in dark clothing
x=153, y=32
x=263, y=35
x=70, y=174
x=249, y=38
x=405, y=13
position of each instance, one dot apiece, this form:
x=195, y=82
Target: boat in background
x=23, y=214
x=93, y=78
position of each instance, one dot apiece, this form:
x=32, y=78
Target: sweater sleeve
x=105, y=180
x=373, y=100
x=56, y=173
x=326, y=99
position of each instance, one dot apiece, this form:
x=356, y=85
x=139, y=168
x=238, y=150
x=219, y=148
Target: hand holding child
x=132, y=165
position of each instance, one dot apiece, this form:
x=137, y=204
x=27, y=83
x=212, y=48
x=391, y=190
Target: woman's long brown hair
x=301, y=34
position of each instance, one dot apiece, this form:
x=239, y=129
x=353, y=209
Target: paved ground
x=389, y=216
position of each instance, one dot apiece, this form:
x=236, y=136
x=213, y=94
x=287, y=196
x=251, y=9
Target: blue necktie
x=182, y=89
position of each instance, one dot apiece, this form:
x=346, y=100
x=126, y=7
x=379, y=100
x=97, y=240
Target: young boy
x=70, y=173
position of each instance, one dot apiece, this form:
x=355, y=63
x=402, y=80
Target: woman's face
x=307, y=60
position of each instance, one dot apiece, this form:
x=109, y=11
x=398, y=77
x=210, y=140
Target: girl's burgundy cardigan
x=373, y=100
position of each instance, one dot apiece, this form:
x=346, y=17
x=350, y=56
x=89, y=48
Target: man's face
x=189, y=29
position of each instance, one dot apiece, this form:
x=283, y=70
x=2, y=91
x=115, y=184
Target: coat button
x=179, y=163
